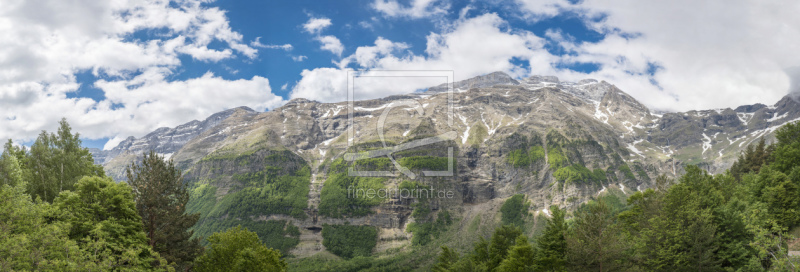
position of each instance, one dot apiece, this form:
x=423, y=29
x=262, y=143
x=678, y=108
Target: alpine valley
x=284, y=174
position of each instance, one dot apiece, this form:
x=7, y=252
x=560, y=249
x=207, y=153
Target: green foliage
x=751, y=160
x=641, y=172
x=102, y=218
x=677, y=229
x=552, y=244
x=595, y=242
x=520, y=257
x=349, y=241
x=274, y=234
x=402, y=261
x=556, y=158
x=277, y=194
x=425, y=232
x=599, y=175
x=786, y=154
x=536, y=153
x=57, y=161
x=277, y=234
x=28, y=241
x=514, y=211
x=161, y=196
x=269, y=191
x=526, y=153
x=507, y=250
x=10, y=167
x=477, y=134
x=779, y=192
x=446, y=260
x=239, y=249
x=343, y=194
x=626, y=171
x=518, y=158
x=425, y=163
x=579, y=173
x=503, y=238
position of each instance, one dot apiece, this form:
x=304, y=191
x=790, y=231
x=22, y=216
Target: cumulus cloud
x=714, y=55
x=151, y=100
x=416, y=9
x=473, y=47
x=44, y=44
x=535, y=10
x=332, y=44
x=316, y=25
x=329, y=42
x=669, y=55
x=299, y=58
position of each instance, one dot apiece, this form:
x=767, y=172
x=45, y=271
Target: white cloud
x=257, y=43
x=150, y=99
x=541, y=9
x=714, y=55
x=322, y=84
x=366, y=25
x=284, y=86
x=665, y=54
x=299, y=58
x=416, y=9
x=44, y=44
x=316, y=25
x=475, y=46
x=331, y=43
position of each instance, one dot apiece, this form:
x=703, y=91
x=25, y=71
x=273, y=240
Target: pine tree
x=520, y=257
x=161, y=196
x=751, y=159
x=503, y=238
x=682, y=236
x=446, y=259
x=786, y=154
x=595, y=242
x=553, y=244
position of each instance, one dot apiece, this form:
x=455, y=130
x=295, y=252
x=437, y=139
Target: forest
x=61, y=213
x=741, y=220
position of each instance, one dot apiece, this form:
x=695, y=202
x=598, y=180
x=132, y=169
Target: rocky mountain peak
x=488, y=80
x=750, y=108
x=541, y=79
x=165, y=140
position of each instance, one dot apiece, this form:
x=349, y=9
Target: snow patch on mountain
x=706, y=143
x=633, y=148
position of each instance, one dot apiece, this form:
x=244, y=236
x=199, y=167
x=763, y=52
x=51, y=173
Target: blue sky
x=281, y=22
x=127, y=68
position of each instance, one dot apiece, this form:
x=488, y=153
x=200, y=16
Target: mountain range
x=558, y=143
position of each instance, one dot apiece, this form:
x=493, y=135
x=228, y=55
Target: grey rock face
x=496, y=78
x=165, y=140
x=541, y=79
x=750, y=108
